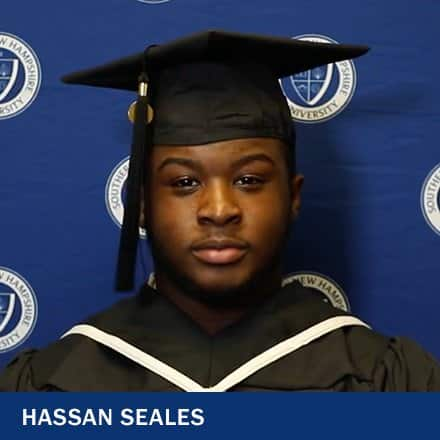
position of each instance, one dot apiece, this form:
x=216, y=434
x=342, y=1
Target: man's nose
x=218, y=205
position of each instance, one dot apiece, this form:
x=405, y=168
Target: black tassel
x=142, y=129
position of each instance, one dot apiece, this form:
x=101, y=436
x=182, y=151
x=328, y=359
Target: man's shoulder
x=387, y=363
x=67, y=360
x=357, y=357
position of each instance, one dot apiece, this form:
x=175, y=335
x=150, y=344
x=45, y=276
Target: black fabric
x=142, y=135
x=284, y=56
x=348, y=359
x=202, y=103
x=217, y=85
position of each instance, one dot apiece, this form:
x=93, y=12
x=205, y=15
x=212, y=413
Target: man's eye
x=185, y=182
x=249, y=181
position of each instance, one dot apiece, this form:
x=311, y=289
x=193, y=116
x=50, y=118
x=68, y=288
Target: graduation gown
x=352, y=358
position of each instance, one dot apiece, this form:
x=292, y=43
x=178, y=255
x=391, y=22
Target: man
x=213, y=151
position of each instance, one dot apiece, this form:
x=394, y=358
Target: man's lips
x=220, y=251
x=219, y=256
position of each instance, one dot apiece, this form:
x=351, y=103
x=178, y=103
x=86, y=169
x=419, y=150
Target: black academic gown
x=348, y=359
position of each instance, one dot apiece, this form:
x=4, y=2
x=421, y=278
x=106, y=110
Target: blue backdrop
x=368, y=146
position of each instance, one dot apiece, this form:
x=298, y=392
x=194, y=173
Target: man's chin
x=224, y=292
x=240, y=284
x=220, y=298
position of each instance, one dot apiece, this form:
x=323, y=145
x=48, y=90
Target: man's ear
x=296, y=184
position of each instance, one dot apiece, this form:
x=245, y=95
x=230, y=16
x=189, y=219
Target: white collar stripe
x=247, y=369
x=284, y=348
x=131, y=352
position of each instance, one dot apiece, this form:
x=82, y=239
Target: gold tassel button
x=132, y=113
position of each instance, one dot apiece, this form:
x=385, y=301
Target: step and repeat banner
x=368, y=236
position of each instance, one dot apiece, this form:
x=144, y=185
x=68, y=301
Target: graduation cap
x=207, y=87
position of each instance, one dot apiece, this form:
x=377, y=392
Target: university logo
x=321, y=93
x=153, y=2
x=430, y=199
x=18, y=310
x=115, y=193
x=330, y=290
x=20, y=75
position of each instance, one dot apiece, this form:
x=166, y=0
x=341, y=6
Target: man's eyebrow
x=251, y=158
x=197, y=165
x=191, y=163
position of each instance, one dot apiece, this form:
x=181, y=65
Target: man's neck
x=212, y=319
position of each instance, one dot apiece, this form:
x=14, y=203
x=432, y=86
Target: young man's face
x=217, y=215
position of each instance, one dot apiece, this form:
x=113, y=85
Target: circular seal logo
x=320, y=93
x=430, y=199
x=331, y=291
x=18, y=310
x=115, y=193
x=153, y=2
x=20, y=75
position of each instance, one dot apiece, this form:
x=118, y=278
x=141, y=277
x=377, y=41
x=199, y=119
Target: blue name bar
x=219, y=415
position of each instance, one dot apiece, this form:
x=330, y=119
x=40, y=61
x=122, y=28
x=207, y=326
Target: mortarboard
x=207, y=87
